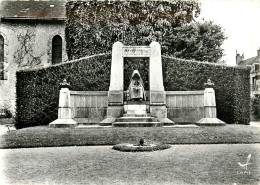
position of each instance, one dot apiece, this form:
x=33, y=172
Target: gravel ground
x=181, y=164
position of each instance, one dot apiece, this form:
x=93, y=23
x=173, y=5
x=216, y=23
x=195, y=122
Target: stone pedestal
x=115, y=98
x=136, y=114
x=64, y=113
x=135, y=109
x=113, y=112
x=210, y=111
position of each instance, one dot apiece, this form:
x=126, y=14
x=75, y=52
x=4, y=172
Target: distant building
x=255, y=71
x=32, y=35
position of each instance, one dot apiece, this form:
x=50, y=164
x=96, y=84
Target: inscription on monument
x=136, y=51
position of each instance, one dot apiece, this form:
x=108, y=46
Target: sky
x=240, y=20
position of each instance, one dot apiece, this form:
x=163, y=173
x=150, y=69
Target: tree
x=199, y=41
x=94, y=26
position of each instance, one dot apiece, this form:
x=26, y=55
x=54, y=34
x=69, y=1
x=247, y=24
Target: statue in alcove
x=136, y=87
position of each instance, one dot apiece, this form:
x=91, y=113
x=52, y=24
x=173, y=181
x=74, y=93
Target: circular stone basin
x=140, y=148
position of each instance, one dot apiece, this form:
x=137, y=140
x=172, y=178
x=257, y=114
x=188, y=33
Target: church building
x=32, y=35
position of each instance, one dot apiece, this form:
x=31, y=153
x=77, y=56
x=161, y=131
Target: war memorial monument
x=136, y=107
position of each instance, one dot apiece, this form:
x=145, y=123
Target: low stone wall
x=182, y=106
x=88, y=106
x=185, y=106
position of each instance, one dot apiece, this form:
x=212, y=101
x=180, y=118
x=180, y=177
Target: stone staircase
x=136, y=114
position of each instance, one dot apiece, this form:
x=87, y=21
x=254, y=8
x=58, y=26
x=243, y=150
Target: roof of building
x=249, y=61
x=38, y=9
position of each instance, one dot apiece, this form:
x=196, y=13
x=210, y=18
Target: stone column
x=64, y=111
x=157, y=92
x=210, y=110
x=155, y=71
x=116, y=88
x=117, y=68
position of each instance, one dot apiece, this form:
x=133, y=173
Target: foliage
x=199, y=41
x=232, y=85
x=38, y=90
x=25, y=55
x=94, y=26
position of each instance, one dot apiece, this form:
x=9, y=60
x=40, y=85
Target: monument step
x=86, y=124
x=137, y=103
x=137, y=115
x=136, y=119
x=137, y=124
x=135, y=112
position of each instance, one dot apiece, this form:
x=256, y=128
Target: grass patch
x=42, y=136
x=181, y=164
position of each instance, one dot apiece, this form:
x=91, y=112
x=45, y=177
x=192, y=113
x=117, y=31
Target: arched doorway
x=56, y=49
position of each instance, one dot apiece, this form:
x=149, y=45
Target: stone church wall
x=26, y=46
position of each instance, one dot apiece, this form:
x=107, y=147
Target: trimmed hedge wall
x=232, y=85
x=38, y=90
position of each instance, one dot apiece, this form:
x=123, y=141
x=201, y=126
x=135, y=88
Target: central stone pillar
x=116, y=88
x=157, y=92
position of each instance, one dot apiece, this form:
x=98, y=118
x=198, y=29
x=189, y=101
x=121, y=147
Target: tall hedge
x=232, y=85
x=38, y=90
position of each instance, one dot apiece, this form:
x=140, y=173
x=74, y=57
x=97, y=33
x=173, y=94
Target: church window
x=56, y=50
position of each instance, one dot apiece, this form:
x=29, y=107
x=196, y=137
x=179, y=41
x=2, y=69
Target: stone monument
x=157, y=102
x=210, y=110
x=64, y=111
